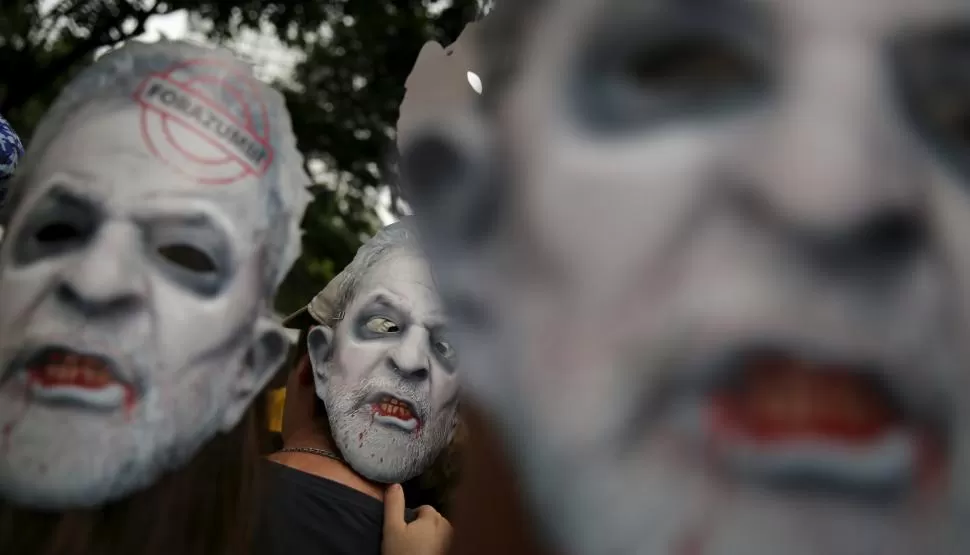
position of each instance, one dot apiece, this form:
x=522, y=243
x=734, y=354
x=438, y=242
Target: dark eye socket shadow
x=62, y=197
x=194, y=229
x=930, y=73
x=381, y=305
x=642, y=21
x=58, y=222
x=626, y=77
x=193, y=249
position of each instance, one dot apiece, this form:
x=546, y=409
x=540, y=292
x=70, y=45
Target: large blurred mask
x=709, y=265
x=147, y=229
x=382, y=362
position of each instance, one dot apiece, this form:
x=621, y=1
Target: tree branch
x=98, y=37
x=57, y=13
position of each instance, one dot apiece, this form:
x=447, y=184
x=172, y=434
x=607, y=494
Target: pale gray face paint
x=675, y=187
x=387, y=373
x=135, y=320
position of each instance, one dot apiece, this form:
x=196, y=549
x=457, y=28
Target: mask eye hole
x=58, y=232
x=932, y=84
x=188, y=257
x=444, y=349
x=685, y=67
x=689, y=66
x=382, y=325
x=60, y=223
x=951, y=115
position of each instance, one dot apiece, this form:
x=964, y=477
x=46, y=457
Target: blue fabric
x=11, y=151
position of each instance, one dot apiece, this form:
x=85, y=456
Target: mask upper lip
x=774, y=369
x=34, y=358
x=795, y=417
x=381, y=395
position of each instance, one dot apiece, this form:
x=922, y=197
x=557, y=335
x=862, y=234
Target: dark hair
x=207, y=507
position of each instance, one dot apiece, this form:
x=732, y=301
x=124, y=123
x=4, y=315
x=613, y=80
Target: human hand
x=428, y=534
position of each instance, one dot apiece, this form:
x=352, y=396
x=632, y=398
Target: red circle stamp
x=207, y=120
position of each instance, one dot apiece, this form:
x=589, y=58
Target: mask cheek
x=20, y=291
x=266, y=354
x=445, y=401
x=455, y=422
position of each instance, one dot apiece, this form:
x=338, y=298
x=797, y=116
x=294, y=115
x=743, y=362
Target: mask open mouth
x=392, y=411
x=826, y=427
x=60, y=375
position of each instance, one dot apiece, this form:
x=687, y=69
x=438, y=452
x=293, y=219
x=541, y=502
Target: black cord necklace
x=314, y=451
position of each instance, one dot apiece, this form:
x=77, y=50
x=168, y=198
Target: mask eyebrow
x=945, y=41
x=179, y=216
x=62, y=197
x=381, y=301
x=437, y=328
x=933, y=17
x=197, y=226
x=731, y=13
x=199, y=220
x=435, y=323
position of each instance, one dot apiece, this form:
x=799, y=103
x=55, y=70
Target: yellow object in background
x=276, y=399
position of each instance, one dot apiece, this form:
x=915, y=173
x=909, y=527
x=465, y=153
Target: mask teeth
x=392, y=407
x=74, y=370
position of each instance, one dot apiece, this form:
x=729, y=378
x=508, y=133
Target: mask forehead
x=104, y=159
x=406, y=278
x=111, y=144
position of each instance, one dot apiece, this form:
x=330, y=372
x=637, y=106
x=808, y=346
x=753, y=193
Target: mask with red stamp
x=156, y=213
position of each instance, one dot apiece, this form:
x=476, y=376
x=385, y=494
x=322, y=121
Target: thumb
x=394, y=508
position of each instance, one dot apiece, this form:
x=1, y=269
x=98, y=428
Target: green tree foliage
x=343, y=97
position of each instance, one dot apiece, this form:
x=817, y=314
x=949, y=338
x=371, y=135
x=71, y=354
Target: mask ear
x=260, y=365
x=446, y=177
x=319, y=345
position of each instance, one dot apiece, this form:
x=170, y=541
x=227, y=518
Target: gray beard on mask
x=378, y=452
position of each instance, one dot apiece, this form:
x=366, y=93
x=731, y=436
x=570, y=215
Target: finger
x=446, y=525
x=394, y=507
x=427, y=511
x=449, y=532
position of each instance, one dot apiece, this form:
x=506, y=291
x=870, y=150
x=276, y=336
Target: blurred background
x=341, y=64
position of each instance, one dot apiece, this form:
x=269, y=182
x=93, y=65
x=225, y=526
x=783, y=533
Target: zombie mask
x=723, y=251
x=381, y=361
x=147, y=229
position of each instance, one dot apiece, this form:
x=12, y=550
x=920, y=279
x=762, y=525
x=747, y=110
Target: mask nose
x=106, y=279
x=879, y=242
x=410, y=359
x=835, y=167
